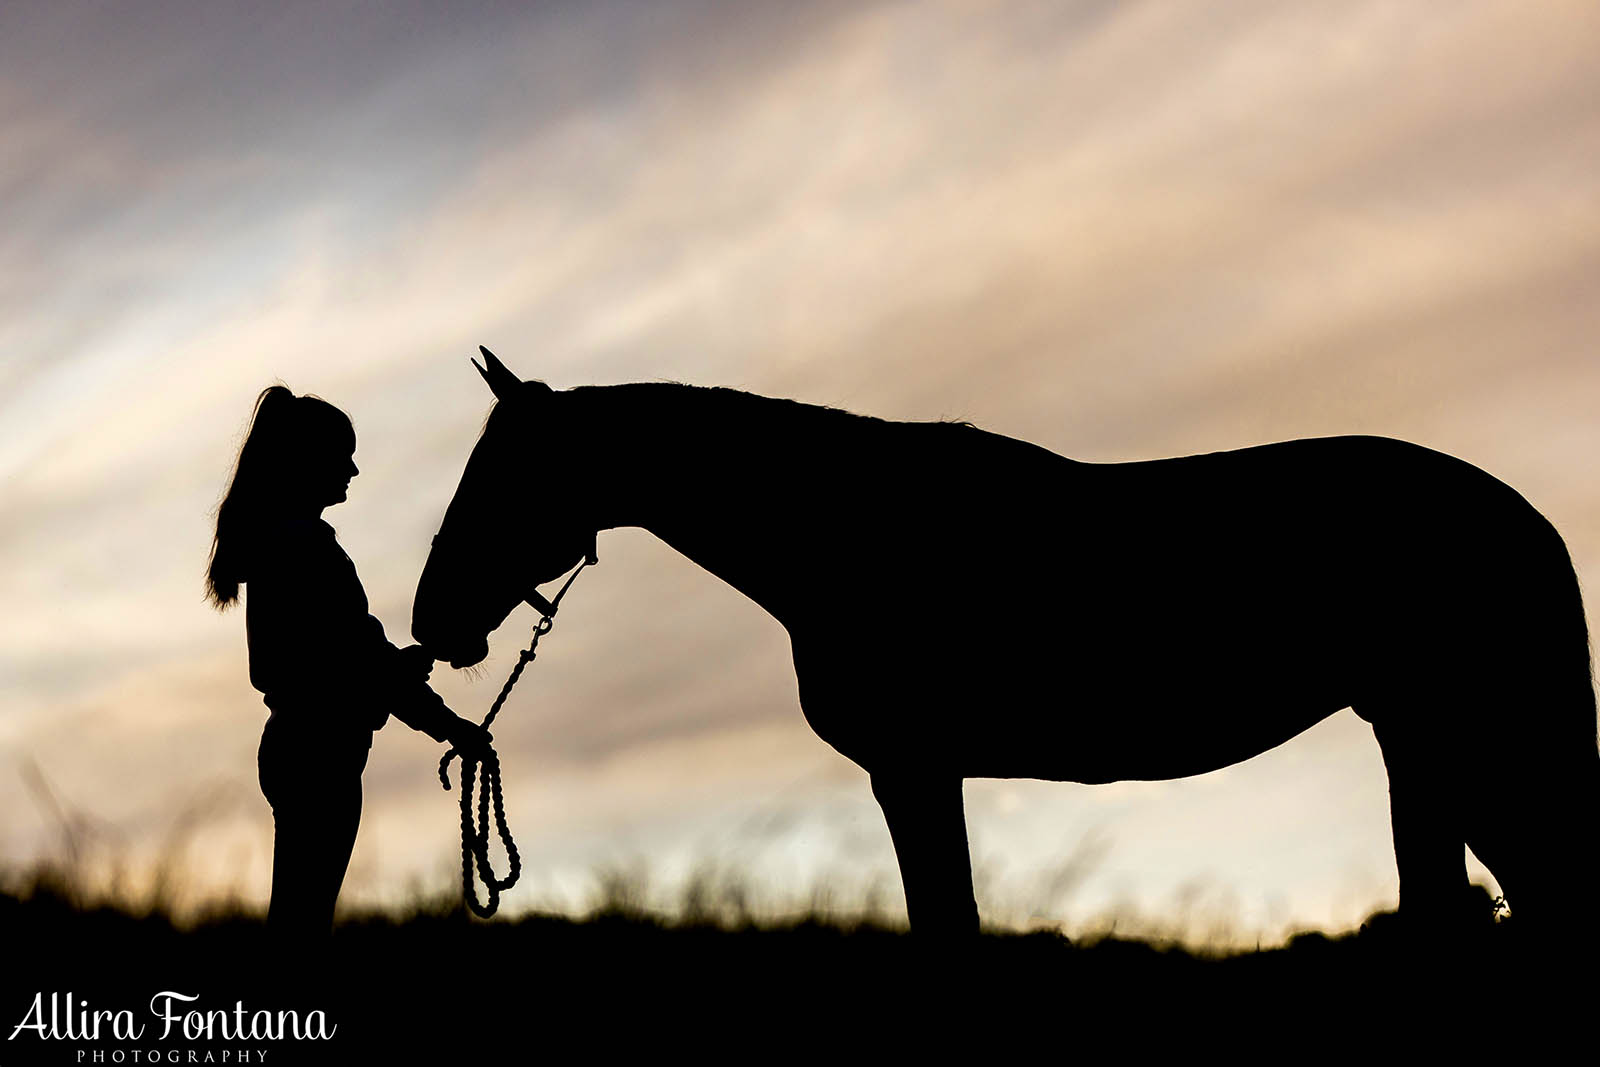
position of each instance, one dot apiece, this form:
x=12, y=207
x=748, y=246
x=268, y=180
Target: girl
x=323, y=666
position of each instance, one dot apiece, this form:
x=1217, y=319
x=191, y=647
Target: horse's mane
x=739, y=407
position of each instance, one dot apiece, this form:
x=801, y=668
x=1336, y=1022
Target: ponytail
x=284, y=430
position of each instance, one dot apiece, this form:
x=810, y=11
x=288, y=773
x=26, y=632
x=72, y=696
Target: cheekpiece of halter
x=547, y=607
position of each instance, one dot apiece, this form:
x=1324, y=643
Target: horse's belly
x=1136, y=740
x=1106, y=715
x=1075, y=704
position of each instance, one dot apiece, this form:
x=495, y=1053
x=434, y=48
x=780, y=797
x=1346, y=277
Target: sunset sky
x=1118, y=230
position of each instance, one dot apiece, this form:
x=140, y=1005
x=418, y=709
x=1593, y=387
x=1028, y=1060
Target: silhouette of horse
x=962, y=604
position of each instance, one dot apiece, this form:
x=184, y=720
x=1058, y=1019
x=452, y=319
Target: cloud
x=1118, y=230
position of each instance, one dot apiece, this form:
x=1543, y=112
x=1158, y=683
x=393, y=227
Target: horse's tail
x=1572, y=690
x=1549, y=752
x=1577, y=690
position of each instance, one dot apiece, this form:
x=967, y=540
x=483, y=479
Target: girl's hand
x=468, y=738
x=414, y=658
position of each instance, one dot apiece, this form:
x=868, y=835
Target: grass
x=428, y=983
x=727, y=974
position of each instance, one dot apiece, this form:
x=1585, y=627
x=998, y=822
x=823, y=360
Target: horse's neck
x=721, y=487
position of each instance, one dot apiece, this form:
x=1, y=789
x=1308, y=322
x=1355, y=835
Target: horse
x=962, y=604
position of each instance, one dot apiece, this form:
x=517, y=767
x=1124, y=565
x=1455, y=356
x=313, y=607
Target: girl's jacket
x=316, y=653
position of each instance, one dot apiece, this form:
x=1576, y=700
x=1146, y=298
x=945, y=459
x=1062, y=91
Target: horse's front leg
x=929, y=828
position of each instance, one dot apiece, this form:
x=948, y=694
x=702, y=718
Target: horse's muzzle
x=470, y=656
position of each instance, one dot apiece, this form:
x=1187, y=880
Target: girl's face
x=331, y=466
x=342, y=469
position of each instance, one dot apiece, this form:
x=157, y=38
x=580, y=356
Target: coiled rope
x=486, y=769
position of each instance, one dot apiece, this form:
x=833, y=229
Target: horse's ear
x=501, y=381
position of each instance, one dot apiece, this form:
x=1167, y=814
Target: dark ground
x=438, y=987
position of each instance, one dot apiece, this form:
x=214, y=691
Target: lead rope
x=475, y=832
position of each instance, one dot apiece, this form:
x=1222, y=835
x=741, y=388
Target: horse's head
x=495, y=544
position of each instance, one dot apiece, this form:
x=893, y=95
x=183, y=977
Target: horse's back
x=1358, y=507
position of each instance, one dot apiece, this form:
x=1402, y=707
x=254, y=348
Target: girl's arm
x=441, y=724
x=410, y=698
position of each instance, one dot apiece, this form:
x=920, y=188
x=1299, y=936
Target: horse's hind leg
x=929, y=827
x=1427, y=811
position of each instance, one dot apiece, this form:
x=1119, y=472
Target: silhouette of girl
x=322, y=663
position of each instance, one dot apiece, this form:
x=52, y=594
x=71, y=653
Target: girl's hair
x=288, y=436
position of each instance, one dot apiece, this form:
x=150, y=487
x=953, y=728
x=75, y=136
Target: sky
x=1118, y=230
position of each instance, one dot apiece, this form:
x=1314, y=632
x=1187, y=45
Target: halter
x=475, y=831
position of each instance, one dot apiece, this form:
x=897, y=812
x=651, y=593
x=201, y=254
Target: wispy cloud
x=1118, y=230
